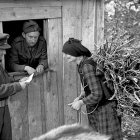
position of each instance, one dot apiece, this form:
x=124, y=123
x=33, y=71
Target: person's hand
x=29, y=70
x=80, y=96
x=76, y=99
x=40, y=69
x=23, y=84
x=76, y=105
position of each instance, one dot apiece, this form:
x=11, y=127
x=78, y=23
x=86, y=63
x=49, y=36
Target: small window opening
x=14, y=29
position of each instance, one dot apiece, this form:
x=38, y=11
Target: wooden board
x=71, y=29
x=18, y=106
x=34, y=107
x=24, y=13
x=51, y=101
x=1, y=27
x=54, y=93
x=88, y=24
x=23, y=3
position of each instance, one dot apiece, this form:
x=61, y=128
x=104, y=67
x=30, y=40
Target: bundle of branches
x=121, y=66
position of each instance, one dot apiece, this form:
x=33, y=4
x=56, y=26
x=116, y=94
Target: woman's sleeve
x=94, y=85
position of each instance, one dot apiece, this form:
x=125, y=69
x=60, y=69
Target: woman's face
x=71, y=58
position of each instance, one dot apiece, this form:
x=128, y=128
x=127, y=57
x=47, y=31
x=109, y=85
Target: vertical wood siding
x=54, y=104
x=18, y=105
x=43, y=105
x=1, y=27
x=88, y=24
x=71, y=28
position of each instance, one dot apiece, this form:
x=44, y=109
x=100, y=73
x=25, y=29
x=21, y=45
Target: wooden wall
x=43, y=104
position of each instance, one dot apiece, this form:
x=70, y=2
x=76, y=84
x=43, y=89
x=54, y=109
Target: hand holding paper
x=25, y=81
x=29, y=79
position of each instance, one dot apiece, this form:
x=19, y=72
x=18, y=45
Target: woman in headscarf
x=101, y=112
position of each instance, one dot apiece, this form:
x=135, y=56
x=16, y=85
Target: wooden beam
x=1, y=27
x=31, y=3
x=23, y=13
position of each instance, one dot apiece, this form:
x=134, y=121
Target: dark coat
x=7, y=86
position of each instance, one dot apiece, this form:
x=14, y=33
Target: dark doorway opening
x=14, y=29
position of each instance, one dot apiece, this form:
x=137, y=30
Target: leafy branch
x=120, y=65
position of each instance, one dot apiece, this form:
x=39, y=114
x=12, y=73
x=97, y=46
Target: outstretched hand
x=25, y=80
x=76, y=104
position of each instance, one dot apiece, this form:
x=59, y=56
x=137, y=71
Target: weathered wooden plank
x=53, y=96
x=19, y=115
x=1, y=27
x=51, y=101
x=72, y=19
x=26, y=3
x=24, y=13
x=88, y=24
x=100, y=22
x=58, y=41
x=44, y=88
x=42, y=91
x=71, y=28
x=34, y=107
